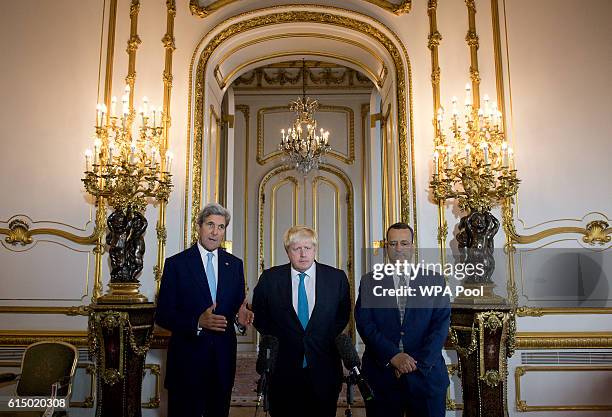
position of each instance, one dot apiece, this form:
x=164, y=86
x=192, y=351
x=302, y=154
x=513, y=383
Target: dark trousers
x=298, y=399
x=410, y=397
x=205, y=401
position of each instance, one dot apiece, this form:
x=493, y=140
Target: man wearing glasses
x=201, y=294
x=404, y=336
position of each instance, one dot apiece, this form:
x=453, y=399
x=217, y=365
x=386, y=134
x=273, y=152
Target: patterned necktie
x=302, y=306
x=210, y=275
x=402, y=300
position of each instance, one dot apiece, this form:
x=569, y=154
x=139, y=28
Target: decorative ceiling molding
x=277, y=76
x=398, y=9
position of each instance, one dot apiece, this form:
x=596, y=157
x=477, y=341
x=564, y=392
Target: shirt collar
x=309, y=272
x=204, y=252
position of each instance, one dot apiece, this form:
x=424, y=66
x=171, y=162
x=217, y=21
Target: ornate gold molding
x=154, y=401
x=596, y=232
x=350, y=127
x=403, y=94
x=543, y=311
x=471, y=38
x=169, y=47
x=68, y=311
x=434, y=40
x=564, y=340
x=223, y=81
x=132, y=48
x=452, y=404
x=522, y=406
x=19, y=233
x=397, y=9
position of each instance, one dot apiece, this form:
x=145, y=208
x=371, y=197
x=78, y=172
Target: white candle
x=111, y=151
x=98, y=114
x=504, y=148
x=168, y=161
x=510, y=158
x=97, y=145
x=88, y=160
x=485, y=152
x=114, y=106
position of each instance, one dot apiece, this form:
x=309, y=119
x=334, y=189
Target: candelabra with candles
x=304, y=147
x=474, y=164
x=128, y=170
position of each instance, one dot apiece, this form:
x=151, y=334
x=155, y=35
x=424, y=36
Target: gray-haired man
x=202, y=292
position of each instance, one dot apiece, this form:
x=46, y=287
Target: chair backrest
x=45, y=363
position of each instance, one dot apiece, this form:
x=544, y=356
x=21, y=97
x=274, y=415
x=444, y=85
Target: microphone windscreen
x=347, y=351
x=268, y=351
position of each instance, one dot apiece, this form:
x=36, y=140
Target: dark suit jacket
x=183, y=297
x=423, y=333
x=275, y=315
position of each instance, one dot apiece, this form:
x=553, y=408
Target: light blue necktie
x=210, y=275
x=302, y=306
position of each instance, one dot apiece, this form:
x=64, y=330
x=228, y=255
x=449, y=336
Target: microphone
x=266, y=362
x=351, y=362
x=268, y=351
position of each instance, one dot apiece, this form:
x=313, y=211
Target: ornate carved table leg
x=483, y=336
x=119, y=338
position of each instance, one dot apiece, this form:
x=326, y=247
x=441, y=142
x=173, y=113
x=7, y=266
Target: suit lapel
x=318, y=294
x=198, y=272
x=222, y=274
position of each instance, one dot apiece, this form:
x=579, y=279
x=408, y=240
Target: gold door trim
x=315, y=210
x=350, y=128
x=275, y=188
x=323, y=15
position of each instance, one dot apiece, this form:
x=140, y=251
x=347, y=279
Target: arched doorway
x=277, y=34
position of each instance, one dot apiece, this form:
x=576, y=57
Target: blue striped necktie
x=302, y=306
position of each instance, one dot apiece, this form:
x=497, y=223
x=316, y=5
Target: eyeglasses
x=402, y=243
x=211, y=226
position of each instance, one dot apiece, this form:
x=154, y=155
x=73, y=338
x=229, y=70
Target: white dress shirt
x=215, y=261
x=310, y=284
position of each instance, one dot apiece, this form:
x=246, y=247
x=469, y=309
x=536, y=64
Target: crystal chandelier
x=303, y=145
x=473, y=163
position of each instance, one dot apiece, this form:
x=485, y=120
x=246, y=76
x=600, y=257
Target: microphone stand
x=350, y=394
x=263, y=383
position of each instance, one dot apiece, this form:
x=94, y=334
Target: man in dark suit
x=404, y=337
x=305, y=305
x=202, y=292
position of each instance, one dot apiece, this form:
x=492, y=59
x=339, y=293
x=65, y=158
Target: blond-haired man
x=305, y=305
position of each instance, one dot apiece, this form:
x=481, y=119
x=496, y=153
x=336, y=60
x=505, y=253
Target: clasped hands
x=403, y=364
x=216, y=322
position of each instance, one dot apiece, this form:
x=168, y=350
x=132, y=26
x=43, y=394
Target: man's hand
x=403, y=364
x=211, y=321
x=245, y=315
